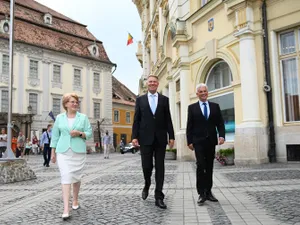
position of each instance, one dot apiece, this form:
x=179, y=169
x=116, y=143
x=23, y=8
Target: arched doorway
x=220, y=77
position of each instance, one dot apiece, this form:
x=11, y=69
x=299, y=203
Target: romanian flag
x=130, y=39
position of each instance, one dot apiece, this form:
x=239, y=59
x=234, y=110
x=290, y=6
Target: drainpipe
x=268, y=85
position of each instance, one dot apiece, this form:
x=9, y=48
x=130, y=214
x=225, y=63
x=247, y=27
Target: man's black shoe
x=210, y=197
x=47, y=165
x=160, y=204
x=145, y=194
x=201, y=199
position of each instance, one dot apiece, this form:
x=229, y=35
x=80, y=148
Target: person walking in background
x=18, y=151
x=204, y=117
x=45, y=145
x=106, y=144
x=3, y=142
x=35, y=144
x=21, y=142
x=70, y=132
x=151, y=126
x=27, y=149
x=14, y=142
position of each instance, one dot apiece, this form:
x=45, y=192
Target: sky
x=109, y=21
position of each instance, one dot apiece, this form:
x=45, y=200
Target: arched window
x=219, y=76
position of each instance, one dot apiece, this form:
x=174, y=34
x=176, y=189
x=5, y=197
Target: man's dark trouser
x=147, y=153
x=205, y=155
x=2, y=150
x=47, y=154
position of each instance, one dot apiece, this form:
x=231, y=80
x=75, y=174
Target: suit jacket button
x=153, y=117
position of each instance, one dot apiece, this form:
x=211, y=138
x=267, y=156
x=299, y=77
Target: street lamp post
x=9, y=152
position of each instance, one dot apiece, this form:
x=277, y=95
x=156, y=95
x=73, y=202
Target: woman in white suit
x=69, y=134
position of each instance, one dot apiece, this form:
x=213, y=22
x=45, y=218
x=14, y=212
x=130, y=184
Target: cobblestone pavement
x=111, y=194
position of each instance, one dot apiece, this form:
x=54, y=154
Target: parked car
x=129, y=148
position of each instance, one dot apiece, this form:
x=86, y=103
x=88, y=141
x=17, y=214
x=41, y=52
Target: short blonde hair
x=152, y=75
x=66, y=99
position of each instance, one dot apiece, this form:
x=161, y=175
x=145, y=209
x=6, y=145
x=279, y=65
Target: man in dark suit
x=203, y=119
x=151, y=127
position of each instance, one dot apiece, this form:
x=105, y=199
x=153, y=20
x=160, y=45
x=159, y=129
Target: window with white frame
x=219, y=76
x=79, y=105
x=96, y=80
x=289, y=61
x=5, y=64
x=96, y=110
x=56, y=106
x=33, y=102
x=4, y=101
x=57, y=73
x=77, y=77
x=116, y=116
x=128, y=119
x=33, y=69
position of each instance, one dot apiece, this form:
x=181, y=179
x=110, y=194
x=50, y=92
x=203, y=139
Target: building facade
x=247, y=52
x=53, y=55
x=122, y=113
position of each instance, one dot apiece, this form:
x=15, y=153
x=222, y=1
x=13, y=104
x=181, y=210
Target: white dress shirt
x=155, y=99
x=202, y=107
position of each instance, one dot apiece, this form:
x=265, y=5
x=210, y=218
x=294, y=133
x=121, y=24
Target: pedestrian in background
x=35, y=144
x=3, y=142
x=27, y=149
x=21, y=142
x=70, y=132
x=106, y=144
x=45, y=145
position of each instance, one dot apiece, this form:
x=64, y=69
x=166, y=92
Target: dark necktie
x=205, y=110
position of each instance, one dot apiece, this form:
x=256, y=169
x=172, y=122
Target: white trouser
x=106, y=150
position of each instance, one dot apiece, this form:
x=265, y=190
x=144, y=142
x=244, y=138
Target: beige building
x=247, y=52
x=53, y=55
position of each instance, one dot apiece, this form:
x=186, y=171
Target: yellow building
x=247, y=52
x=123, y=112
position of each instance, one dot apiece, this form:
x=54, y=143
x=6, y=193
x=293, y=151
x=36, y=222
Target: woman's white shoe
x=65, y=216
x=75, y=207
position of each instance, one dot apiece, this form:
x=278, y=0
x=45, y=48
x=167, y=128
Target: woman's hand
x=53, y=156
x=75, y=133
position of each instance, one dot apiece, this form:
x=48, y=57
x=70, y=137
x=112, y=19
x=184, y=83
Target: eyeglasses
x=74, y=102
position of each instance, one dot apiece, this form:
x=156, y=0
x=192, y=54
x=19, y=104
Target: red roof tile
x=121, y=94
x=64, y=35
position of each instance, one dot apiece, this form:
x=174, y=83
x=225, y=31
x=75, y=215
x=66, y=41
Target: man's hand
x=221, y=140
x=135, y=142
x=171, y=143
x=191, y=147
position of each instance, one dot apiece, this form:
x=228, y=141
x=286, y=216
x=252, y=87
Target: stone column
x=89, y=90
x=250, y=136
x=46, y=91
x=172, y=100
x=106, y=106
x=21, y=89
x=162, y=25
x=182, y=150
x=153, y=47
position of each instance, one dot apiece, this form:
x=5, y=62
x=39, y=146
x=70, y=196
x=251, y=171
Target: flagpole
x=9, y=152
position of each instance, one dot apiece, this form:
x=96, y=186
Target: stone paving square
x=111, y=194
